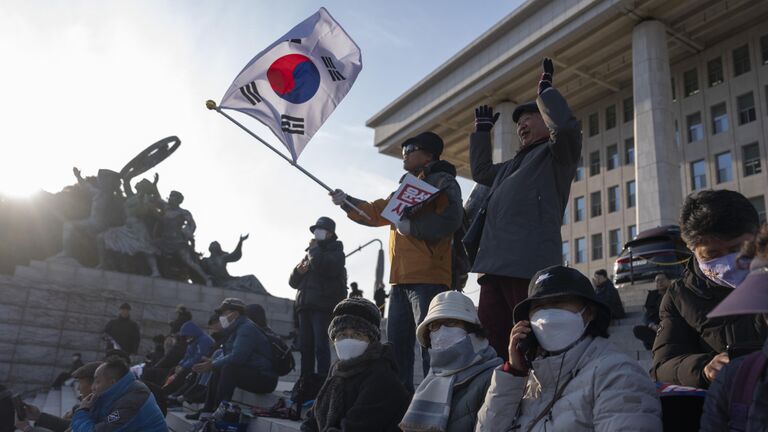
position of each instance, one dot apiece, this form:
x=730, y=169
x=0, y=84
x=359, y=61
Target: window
x=631, y=194
x=629, y=151
x=578, y=209
x=629, y=109
x=745, y=104
x=581, y=250
x=594, y=163
x=614, y=199
x=698, y=174
x=715, y=71
x=612, y=157
x=579, y=170
x=674, y=91
x=723, y=164
x=567, y=215
x=751, y=156
x=597, y=246
x=594, y=124
x=690, y=82
x=719, y=119
x=566, y=253
x=610, y=117
x=631, y=232
x=614, y=242
x=764, y=49
x=595, y=204
x=759, y=203
x=695, y=128
x=741, y=63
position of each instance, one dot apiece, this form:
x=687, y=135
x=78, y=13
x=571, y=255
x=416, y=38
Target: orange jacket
x=423, y=256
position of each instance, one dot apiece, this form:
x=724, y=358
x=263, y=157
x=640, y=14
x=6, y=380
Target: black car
x=650, y=252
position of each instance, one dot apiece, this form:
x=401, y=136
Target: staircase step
x=53, y=403
x=39, y=400
x=68, y=398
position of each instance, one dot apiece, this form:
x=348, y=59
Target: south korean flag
x=297, y=82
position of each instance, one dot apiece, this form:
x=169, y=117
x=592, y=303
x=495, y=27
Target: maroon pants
x=498, y=297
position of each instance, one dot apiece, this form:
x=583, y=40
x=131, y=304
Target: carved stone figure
x=175, y=234
x=216, y=266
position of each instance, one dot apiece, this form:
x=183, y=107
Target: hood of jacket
x=190, y=329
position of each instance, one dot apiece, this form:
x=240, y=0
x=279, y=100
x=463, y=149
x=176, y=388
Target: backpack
x=282, y=356
x=743, y=389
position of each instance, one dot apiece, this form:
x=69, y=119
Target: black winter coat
x=687, y=340
x=610, y=296
x=363, y=394
x=125, y=332
x=325, y=284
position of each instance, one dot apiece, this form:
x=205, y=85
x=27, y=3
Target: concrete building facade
x=672, y=96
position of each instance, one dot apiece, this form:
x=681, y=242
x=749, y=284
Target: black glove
x=546, y=77
x=485, y=118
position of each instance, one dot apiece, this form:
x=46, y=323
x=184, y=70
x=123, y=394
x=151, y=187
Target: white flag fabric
x=297, y=82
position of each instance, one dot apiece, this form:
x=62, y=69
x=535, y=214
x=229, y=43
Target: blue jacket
x=198, y=348
x=127, y=406
x=246, y=345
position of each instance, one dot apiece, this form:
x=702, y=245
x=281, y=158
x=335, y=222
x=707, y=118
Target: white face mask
x=556, y=329
x=725, y=271
x=224, y=321
x=445, y=337
x=320, y=234
x=350, y=348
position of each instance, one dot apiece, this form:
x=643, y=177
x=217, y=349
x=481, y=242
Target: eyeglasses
x=434, y=325
x=410, y=148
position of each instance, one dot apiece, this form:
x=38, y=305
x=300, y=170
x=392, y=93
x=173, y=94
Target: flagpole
x=211, y=105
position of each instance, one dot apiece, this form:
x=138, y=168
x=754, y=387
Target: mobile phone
x=529, y=347
x=741, y=349
x=18, y=406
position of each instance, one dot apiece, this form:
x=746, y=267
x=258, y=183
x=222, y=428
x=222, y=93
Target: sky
x=91, y=84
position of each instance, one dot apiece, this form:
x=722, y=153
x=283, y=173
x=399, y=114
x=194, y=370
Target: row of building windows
x=596, y=203
x=745, y=109
x=615, y=245
x=615, y=242
x=750, y=157
x=715, y=76
x=613, y=159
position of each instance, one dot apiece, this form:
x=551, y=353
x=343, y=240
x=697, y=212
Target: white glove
x=404, y=227
x=338, y=197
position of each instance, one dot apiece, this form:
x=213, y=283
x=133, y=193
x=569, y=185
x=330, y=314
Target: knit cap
x=357, y=314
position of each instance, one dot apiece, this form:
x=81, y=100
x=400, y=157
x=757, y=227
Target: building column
x=505, y=141
x=657, y=162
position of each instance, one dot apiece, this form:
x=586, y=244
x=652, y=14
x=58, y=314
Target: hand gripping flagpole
x=211, y=105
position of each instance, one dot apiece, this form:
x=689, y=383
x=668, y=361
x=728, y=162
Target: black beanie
x=357, y=314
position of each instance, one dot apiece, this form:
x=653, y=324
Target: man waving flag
x=297, y=82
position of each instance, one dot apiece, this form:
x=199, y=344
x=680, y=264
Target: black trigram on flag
x=296, y=41
x=335, y=74
x=292, y=125
x=251, y=93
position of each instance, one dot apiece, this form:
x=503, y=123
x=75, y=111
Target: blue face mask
x=727, y=270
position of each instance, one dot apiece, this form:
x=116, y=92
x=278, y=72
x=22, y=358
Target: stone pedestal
x=505, y=141
x=657, y=161
x=50, y=310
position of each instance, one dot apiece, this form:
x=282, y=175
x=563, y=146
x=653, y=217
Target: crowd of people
x=534, y=356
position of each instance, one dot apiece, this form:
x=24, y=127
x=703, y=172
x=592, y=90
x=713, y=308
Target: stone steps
x=49, y=310
x=52, y=403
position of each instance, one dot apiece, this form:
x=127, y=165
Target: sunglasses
x=410, y=148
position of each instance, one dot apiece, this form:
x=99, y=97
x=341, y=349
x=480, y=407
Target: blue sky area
x=91, y=84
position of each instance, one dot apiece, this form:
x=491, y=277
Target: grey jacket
x=466, y=402
x=716, y=415
x=607, y=392
x=525, y=212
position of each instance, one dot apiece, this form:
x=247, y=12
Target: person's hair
x=661, y=274
x=119, y=354
x=598, y=327
x=158, y=338
x=77, y=354
x=475, y=329
x=723, y=214
x=255, y=312
x=602, y=273
x=115, y=368
x=757, y=248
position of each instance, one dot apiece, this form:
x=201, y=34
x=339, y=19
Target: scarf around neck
x=458, y=364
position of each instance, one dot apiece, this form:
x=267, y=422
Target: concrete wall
x=49, y=311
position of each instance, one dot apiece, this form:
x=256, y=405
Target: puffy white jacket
x=605, y=390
